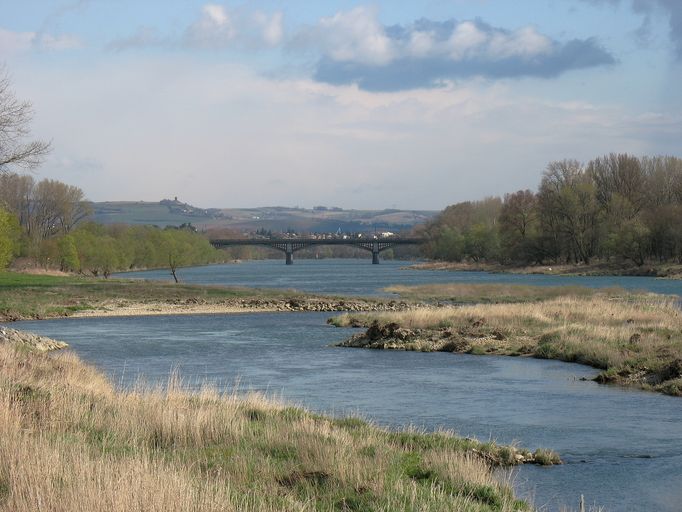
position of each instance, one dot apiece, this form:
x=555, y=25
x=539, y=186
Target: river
x=360, y=277
x=622, y=448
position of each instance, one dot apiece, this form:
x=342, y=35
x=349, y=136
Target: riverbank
x=70, y=441
x=636, y=340
x=485, y=293
x=663, y=270
x=29, y=341
x=35, y=297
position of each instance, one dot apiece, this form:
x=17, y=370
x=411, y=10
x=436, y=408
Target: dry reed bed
x=495, y=293
x=635, y=339
x=70, y=442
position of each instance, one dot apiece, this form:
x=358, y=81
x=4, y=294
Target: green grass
x=15, y=280
x=68, y=438
x=28, y=296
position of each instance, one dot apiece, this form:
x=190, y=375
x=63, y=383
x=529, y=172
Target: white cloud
x=356, y=48
x=216, y=15
x=216, y=27
x=357, y=36
x=60, y=42
x=421, y=43
x=218, y=135
x=213, y=29
x=354, y=35
x=16, y=42
x=272, y=28
x=466, y=40
x=525, y=43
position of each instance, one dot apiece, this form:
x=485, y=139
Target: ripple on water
x=623, y=448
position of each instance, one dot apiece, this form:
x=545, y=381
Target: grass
x=464, y=293
x=596, y=268
x=70, y=441
x=27, y=296
x=635, y=339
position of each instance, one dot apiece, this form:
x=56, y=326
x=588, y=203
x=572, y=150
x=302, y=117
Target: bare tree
x=44, y=208
x=567, y=198
x=15, y=119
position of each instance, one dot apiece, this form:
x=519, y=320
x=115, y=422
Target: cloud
x=356, y=48
x=216, y=28
x=272, y=27
x=14, y=42
x=59, y=42
x=352, y=36
x=18, y=42
x=143, y=37
x=671, y=8
x=232, y=131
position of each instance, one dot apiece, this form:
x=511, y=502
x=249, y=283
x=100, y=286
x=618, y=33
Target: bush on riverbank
x=69, y=441
x=635, y=339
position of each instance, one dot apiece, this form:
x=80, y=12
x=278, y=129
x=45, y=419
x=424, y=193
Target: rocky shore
x=39, y=343
x=198, y=305
x=392, y=336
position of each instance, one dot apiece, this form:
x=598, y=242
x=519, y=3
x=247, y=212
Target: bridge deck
x=315, y=241
x=290, y=245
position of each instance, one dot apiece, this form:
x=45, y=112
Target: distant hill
x=164, y=213
x=317, y=220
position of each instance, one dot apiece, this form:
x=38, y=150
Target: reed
x=495, y=293
x=69, y=441
x=635, y=339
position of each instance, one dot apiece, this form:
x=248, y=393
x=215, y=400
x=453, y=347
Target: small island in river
x=635, y=339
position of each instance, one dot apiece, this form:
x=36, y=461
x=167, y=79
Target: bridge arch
x=291, y=245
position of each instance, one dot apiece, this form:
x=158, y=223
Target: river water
x=622, y=448
x=360, y=277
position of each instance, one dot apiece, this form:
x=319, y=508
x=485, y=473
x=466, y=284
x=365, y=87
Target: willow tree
x=9, y=237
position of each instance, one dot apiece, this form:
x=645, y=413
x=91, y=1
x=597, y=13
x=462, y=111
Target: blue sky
x=360, y=105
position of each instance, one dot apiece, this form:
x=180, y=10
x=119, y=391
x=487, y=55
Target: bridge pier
x=289, y=251
x=290, y=245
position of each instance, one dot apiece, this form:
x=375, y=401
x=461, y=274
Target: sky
x=364, y=105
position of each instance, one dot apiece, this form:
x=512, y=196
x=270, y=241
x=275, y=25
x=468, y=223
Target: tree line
x=99, y=249
x=46, y=222
x=616, y=207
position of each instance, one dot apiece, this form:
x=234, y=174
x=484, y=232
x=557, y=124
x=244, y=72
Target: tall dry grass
x=638, y=336
x=495, y=293
x=70, y=442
